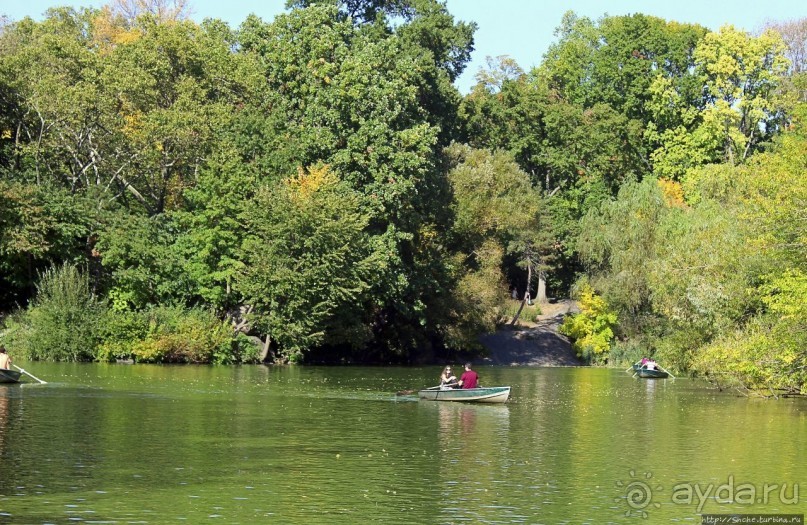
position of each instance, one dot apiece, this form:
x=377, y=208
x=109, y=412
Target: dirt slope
x=536, y=343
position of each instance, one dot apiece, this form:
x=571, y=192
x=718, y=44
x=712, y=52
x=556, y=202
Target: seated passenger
x=447, y=379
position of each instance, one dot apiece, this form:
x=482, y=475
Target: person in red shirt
x=469, y=378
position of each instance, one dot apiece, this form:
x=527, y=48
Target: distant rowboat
x=651, y=374
x=9, y=376
x=494, y=394
x=649, y=370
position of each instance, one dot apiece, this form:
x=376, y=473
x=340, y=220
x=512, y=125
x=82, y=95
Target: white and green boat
x=493, y=394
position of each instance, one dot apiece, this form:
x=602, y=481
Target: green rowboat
x=494, y=394
x=651, y=374
x=9, y=376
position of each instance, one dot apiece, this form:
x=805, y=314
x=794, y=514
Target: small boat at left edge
x=9, y=376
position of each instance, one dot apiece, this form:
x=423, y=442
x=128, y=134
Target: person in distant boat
x=5, y=359
x=469, y=378
x=447, y=379
x=644, y=361
x=650, y=365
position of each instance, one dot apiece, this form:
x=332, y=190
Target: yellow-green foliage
x=193, y=339
x=592, y=329
x=769, y=353
x=478, y=302
x=168, y=335
x=766, y=351
x=753, y=359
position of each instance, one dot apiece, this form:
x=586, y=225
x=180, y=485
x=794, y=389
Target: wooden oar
x=410, y=392
x=664, y=370
x=631, y=366
x=30, y=374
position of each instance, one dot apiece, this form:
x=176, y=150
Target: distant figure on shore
x=469, y=378
x=5, y=359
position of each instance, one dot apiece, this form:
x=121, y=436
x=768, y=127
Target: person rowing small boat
x=651, y=370
x=6, y=374
x=469, y=379
x=5, y=359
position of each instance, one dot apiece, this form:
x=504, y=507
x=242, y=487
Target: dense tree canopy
x=314, y=187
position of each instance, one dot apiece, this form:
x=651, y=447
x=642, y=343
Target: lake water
x=308, y=445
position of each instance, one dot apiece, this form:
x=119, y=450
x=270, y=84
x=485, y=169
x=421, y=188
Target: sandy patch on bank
x=535, y=342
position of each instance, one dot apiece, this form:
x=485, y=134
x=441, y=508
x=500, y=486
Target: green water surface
x=307, y=445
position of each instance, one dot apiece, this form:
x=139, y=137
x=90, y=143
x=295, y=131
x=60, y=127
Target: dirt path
x=535, y=343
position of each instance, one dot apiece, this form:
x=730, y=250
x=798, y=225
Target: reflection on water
x=158, y=444
x=4, y=416
x=461, y=418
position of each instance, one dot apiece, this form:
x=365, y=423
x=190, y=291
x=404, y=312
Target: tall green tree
x=307, y=259
x=741, y=75
x=174, y=85
x=742, y=107
x=617, y=240
x=615, y=60
x=122, y=113
x=353, y=97
x=497, y=212
x=210, y=229
x=577, y=156
x=60, y=117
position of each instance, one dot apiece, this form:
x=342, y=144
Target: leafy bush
x=246, y=349
x=61, y=323
x=592, y=329
x=177, y=335
x=121, y=331
x=628, y=351
x=768, y=353
x=174, y=335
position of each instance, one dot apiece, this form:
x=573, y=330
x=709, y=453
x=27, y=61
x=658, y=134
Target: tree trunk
x=518, y=314
x=540, y=296
x=527, y=294
x=265, y=352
